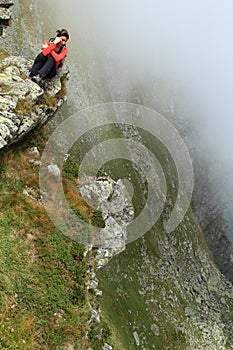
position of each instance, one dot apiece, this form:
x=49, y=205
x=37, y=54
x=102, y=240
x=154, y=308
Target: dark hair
x=63, y=32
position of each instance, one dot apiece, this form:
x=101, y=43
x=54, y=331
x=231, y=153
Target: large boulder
x=23, y=103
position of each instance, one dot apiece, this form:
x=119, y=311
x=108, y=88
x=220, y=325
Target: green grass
x=3, y=54
x=44, y=303
x=47, y=272
x=54, y=283
x=126, y=310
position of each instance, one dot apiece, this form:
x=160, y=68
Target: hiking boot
x=37, y=79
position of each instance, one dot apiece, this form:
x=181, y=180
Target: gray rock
x=37, y=162
x=111, y=198
x=93, y=284
x=95, y=315
x=34, y=151
x=155, y=329
x=5, y=14
x=136, y=338
x=54, y=170
x=31, y=192
x=98, y=292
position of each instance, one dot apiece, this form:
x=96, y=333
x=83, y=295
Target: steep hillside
x=45, y=302
x=166, y=290
x=162, y=292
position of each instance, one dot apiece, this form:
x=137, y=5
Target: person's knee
x=42, y=58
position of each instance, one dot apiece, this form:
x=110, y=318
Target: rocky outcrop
x=110, y=197
x=23, y=103
x=5, y=13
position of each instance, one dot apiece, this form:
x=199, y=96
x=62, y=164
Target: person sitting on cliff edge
x=52, y=53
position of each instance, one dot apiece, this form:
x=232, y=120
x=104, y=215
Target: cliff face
x=165, y=292
x=210, y=210
x=24, y=104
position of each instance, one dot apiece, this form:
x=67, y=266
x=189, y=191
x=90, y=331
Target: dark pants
x=45, y=66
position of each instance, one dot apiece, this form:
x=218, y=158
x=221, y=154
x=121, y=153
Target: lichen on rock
x=5, y=14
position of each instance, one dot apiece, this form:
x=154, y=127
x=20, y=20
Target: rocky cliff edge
x=23, y=103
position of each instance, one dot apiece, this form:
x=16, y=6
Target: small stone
x=136, y=338
x=25, y=192
x=34, y=151
x=98, y=292
x=95, y=315
x=93, y=284
x=54, y=170
x=155, y=329
x=5, y=14
x=37, y=162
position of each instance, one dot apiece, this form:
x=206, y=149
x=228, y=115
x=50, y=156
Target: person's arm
x=47, y=47
x=59, y=56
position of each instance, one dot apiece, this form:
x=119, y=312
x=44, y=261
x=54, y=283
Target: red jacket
x=49, y=50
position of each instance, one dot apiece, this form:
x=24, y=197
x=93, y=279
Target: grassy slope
x=44, y=302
